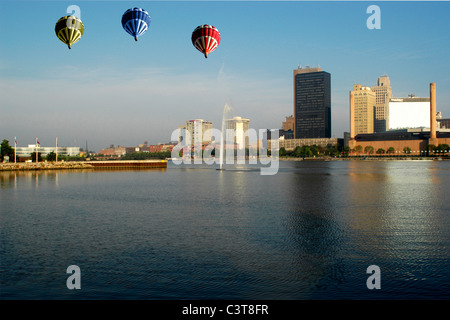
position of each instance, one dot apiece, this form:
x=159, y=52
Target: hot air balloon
x=135, y=21
x=205, y=38
x=69, y=30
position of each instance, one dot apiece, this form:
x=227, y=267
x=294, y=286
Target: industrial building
x=417, y=141
x=408, y=113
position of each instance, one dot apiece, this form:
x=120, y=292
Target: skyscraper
x=362, y=111
x=312, y=103
x=383, y=93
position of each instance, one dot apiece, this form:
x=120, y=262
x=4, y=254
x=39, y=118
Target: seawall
x=114, y=164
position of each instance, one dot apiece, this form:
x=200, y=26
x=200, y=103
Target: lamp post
x=15, y=147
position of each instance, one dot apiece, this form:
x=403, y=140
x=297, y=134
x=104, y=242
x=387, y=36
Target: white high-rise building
x=198, y=131
x=236, y=132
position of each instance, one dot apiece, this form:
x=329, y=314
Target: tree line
x=311, y=151
x=406, y=150
x=306, y=151
x=334, y=151
x=146, y=155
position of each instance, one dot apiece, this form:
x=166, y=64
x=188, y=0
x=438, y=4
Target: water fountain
x=227, y=108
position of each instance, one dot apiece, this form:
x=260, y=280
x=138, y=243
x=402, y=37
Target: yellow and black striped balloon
x=69, y=29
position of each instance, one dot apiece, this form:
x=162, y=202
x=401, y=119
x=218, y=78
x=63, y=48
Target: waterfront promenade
x=24, y=166
x=117, y=164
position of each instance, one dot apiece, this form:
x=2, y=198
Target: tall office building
x=312, y=103
x=383, y=92
x=362, y=110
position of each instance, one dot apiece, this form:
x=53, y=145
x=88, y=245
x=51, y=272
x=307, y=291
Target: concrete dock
x=111, y=164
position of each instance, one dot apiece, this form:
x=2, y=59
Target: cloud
x=110, y=107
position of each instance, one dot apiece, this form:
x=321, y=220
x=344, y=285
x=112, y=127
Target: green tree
x=282, y=152
x=306, y=151
x=407, y=150
x=431, y=147
x=445, y=148
x=297, y=152
x=7, y=150
x=442, y=147
x=346, y=150
x=33, y=156
x=314, y=150
x=358, y=148
x=146, y=155
x=321, y=149
x=51, y=156
x=391, y=150
x=368, y=149
x=62, y=158
x=380, y=151
x=331, y=150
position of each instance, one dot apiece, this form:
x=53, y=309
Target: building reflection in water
x=349, y=215
x=308, y=232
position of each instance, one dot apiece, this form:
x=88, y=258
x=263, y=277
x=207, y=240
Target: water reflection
x=314, y=227
x=308, y=232
x=350, y=215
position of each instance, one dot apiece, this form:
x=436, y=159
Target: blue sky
x=110, y=89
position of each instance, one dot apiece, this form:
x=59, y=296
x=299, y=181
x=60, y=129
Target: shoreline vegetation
x=138, y=160
x=45, y=165
x=365, y=158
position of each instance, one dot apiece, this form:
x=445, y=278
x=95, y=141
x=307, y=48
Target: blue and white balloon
x=136, y=21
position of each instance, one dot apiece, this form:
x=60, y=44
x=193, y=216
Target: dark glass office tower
x=312, y=103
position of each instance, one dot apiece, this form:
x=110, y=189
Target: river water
x=192, y=232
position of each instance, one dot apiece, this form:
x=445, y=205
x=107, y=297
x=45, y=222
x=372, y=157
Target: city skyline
x=109, y=89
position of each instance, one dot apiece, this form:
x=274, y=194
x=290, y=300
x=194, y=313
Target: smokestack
x=352, y=115
x=433, y=110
